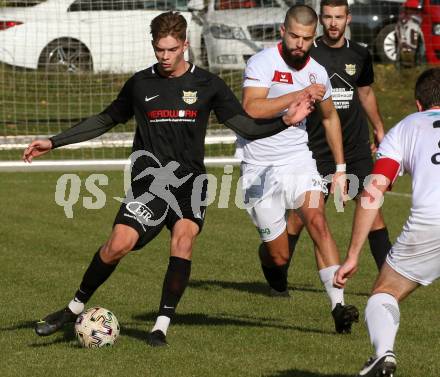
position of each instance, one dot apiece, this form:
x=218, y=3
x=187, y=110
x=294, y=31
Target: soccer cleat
x=344, y=316
x=55, y=321
x=383, y=366
x=275, y=293
x=157, y=339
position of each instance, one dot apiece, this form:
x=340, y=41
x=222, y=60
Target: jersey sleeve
x=256, y=73
x=121, y=109
x=366, y=77
x=229, y=111
x=391, y=147
x=328, y=87
x=87, y=129
x=225, y=104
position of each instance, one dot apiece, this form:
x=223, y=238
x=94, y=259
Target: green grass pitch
x=226, y=324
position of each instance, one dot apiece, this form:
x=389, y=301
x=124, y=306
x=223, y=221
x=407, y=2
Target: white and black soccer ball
x=96, y=327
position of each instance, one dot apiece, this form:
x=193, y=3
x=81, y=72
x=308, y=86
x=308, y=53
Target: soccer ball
x=96, y=327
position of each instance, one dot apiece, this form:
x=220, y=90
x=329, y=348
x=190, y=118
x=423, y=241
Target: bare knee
x=280, y=260
x=318, y=224
x=181, y=246
x=118, y=246
x=274, y=255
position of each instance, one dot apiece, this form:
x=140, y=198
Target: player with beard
x=171, y=102
x=350, y=68
x=279, y=172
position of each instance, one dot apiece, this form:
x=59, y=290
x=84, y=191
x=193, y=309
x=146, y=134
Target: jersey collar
x=319, y=40
x=191, y=69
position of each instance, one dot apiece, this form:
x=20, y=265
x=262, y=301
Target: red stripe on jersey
x=388, y=168
x=280, y=48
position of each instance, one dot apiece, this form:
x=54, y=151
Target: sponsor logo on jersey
x=350, y=69
x=313, y=78
x=148, y=99
x=283, y=77
x=189, y=97
x=342, y=92
x=172, y=115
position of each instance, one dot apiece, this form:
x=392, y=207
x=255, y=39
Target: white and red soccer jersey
x=267, y=69
x=414, y=143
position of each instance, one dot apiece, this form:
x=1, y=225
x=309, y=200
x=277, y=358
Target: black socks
x=175, y=282
x=97, y=273
x=380, y=245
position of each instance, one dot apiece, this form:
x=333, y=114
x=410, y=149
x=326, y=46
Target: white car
x=234, y=30
x=75, y=35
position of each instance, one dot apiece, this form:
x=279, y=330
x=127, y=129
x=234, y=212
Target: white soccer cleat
x=383, y=366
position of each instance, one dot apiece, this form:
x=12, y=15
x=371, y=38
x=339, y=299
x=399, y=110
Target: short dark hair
x=302, y=14
x=334, y=3
x=168, y=23
x=427, y=90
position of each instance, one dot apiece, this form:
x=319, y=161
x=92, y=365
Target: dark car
x=373, y=24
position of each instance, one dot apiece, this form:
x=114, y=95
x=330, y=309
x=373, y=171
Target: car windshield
x=245, y=4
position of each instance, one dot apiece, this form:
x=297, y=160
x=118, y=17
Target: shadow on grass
x=304, y=373
x=199, y=319
x=65, y=335
x=258, y=287
x=19, y=326
x=68, y=333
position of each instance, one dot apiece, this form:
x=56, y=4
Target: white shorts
x=416, y=254
x=269, y=191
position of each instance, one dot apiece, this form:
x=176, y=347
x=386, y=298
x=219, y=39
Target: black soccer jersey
x=348, y=67
x=172, y=116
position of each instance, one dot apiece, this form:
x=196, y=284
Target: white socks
x=162, y=323
x=336, y=295
x=382, y=317
x=76, y=306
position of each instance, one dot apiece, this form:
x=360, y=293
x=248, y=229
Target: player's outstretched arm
x=252, y=129
x=36, y=149
x=367, y=209
x=230, y=112
x=258, y=106
x=85, y=130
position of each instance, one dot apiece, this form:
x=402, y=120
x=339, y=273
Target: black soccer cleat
x=344, y=316
x=156, y=339
x=55, y=321
x=383, y=366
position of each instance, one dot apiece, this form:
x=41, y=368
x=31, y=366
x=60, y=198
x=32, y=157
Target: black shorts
x=150, y=205
x=359, y=169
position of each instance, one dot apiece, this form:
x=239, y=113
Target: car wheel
x=386, y=46
x=66, y=55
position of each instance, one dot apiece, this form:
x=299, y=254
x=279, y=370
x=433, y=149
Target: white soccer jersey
x=267, y=69
x=415, y=144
